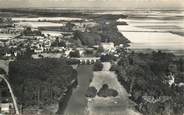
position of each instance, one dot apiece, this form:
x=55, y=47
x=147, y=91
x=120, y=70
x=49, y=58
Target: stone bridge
x=87, y=60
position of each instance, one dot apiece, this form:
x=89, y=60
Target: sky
x=119, y=4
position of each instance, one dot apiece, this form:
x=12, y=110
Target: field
x=119, y=105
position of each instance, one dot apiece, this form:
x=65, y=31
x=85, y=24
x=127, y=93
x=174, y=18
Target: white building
x=67, y=51
x=107, y=46
x=40, y=50
x=6, y=107
x=52, y=34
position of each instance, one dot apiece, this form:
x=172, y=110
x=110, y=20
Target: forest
x=40, y=82
x=154, y=81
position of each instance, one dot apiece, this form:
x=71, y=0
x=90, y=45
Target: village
x=16, y=39
x=87, y=58
x=21, y=40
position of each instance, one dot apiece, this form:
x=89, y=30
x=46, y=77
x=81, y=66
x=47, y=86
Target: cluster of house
x=40, y=42
x=84, y=26
x=37, y=43
x=151, y=99
x=10, y=30
x=108, y=48
x=42, y=46
x=5, y=22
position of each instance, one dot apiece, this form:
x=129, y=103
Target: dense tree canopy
x=88, y=38
x=39, y=82
x=149, y=75
x=98, y=66
x=74, y=53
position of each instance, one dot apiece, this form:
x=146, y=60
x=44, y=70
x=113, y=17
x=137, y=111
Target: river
x=158, y=30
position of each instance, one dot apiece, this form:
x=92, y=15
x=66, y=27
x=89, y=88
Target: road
x=12, y=94
x=77, y=104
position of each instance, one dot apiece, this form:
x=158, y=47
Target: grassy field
x=119, y=105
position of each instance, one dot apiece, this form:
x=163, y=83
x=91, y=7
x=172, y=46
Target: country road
x=12, y=94
x=77, y=104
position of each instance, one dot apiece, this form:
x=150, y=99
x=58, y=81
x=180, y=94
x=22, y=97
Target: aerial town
x=57, y=63
x=73, y=39
x=17, y=38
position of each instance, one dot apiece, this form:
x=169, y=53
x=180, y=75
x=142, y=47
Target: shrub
x=105, y=91
x=98, y=66
x=91, y=92
x=74, y=53
x=73, y=61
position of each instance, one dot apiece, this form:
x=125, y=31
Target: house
x=8, y=54
x=52, y=34
x=107, y=46
x=6, y=107
x=171, y=79
x=40, y=50
x=67, y=51
x=1, y=44
x=57, y=49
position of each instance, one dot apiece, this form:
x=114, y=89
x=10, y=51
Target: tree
x=99, y=51
x=40, y=82
x=98, y=66
x=27, y=31
x=107, y=58
x=181, y=64
x=2, y=71
x=58, y=43
x=74, y=53
x=25, y=55
x=105, y=91
x=172, y=68
x=69, y=26
x=87, y=38
x=91, y=92
x=134, y=72
x=1, y=20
